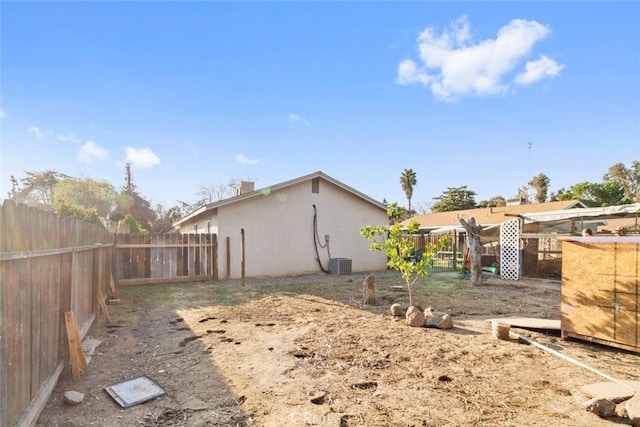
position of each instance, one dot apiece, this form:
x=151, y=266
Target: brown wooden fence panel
x=47, y=267
x=196, y=255
x=175, y=257
x=163, y=258
x=185, y=255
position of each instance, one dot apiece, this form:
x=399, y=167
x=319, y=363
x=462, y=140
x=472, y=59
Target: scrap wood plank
x=529, y=322
x=112, y=285
x=103, y=306
x=76, y=353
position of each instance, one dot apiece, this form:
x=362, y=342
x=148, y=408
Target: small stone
x=633, y=410
x=415, y=317
x=397, y=310
x=620, y=410
x=318, y=398
x=600, y=407
x=615, y=392
x=73, y=397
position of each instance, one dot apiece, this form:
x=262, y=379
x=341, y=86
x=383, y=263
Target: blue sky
x=198, y=93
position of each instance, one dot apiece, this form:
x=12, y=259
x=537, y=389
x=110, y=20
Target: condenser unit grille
x=340, y=266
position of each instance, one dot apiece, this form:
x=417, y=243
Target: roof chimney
x=244, y=187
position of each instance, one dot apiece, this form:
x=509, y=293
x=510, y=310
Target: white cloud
x=293, y=118
x=408, y=73
x=2, y=114
x=70, y=137
x=538, y=70
x=38, y=133
x=142, y=158
x=90, y=152
x=451, y=64
x=241, y=158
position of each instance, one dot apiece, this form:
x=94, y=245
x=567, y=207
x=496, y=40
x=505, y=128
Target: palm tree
x=408, y=180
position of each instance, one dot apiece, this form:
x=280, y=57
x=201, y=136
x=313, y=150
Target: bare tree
x=473, y=238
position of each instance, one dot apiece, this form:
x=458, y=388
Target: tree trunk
x=369, y=290
x=473, y=239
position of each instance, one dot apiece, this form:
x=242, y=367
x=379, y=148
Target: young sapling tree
x=400, y=251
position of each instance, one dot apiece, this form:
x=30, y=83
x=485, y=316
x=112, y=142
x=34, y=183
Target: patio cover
x=448, y=228
x=620, y=211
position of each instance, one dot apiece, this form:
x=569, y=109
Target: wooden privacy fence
x=49, y=265
x=162, y=258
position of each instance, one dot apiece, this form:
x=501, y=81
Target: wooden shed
x=601, y=290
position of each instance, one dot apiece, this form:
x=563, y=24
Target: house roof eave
x=281, y=185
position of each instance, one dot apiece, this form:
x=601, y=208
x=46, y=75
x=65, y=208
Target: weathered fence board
x=163, y=258
x=48, y=266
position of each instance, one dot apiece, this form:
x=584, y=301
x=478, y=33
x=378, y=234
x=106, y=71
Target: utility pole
x=530, y=177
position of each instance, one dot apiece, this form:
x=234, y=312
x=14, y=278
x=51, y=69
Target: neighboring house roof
x=488, y=216
x=285, y=184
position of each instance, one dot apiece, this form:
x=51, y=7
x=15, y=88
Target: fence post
x=228, y=257
x=242, y=257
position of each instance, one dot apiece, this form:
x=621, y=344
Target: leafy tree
x=165, y=218
x=81, y=197
x=37, y=188
x=132, y=225
x=129, y=186
x=628, y=178
x=493, y=202
x=80, y=212
x=399, y=250
x=540, y=184
x=594, y=194
x=454, y=199
x=408, y=179
x=135, y=205
x=396, y=213
x=609, y=193
x=129, y=202
x=562, y=195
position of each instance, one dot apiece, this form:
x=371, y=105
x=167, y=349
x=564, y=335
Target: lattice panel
x=510, y=249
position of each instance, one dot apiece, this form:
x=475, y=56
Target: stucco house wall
x=279, y=230
x=205, y=224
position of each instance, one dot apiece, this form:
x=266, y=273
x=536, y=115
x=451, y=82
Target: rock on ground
x=415, y=317
x=439, y=320
x=600, y=407
x=73, y=397
x=633, y=410
x=397, y=310
x=612, y=391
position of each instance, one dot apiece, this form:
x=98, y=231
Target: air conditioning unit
x=340, y=266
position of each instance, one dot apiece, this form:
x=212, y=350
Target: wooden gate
x=165, y=258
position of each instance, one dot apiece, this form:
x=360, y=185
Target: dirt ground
x=306, y=351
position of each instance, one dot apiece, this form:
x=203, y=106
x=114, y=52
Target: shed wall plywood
x=601, y=291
